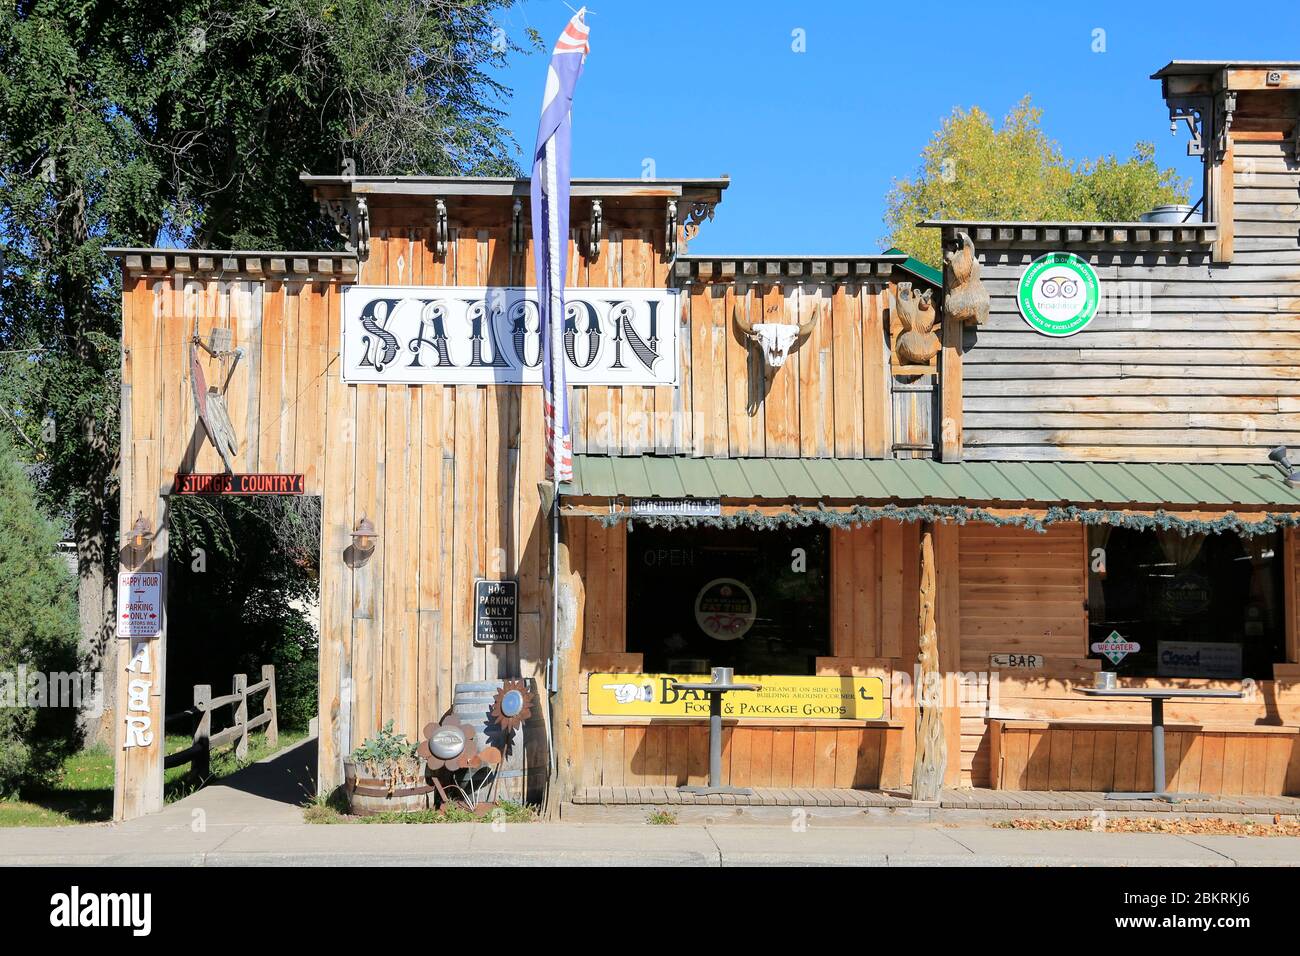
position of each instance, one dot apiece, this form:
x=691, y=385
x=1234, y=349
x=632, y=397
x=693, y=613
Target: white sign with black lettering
x=139, y=604
x=496, y=612
x=469, y=335
x=697, y=507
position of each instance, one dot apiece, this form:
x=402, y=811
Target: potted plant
x=385, y=774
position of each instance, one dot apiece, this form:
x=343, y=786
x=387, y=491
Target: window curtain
x=1180, y=549
x=1098, y=537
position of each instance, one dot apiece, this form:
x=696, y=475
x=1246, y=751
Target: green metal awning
x=916, y=480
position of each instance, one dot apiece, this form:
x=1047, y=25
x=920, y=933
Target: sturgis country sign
x=469, y=336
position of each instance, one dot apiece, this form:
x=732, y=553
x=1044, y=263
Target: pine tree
x=38, y=632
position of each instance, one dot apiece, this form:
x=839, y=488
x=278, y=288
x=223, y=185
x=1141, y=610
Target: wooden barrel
x=524, y=761
x=367, y=796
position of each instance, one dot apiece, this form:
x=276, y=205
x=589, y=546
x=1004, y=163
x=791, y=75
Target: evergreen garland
x=858, y=515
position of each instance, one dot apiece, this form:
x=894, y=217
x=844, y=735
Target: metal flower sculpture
x=512, y=706
x=450, y=745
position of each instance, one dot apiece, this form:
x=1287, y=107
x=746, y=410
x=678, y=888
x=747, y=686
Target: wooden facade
x=1201, y=368
x=1195, y=355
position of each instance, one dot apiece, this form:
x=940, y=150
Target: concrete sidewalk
x=234, y=844
x=271, y=791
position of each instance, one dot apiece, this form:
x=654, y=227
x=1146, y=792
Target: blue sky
x=813, y=139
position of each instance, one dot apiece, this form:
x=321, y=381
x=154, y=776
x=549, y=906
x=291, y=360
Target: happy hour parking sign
x=1058, y=294
x=139, y=604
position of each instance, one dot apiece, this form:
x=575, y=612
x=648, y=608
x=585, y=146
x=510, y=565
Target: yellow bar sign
x=782, y=698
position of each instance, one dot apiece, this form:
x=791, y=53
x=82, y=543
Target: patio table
x=721, y=683
x=1157, y=696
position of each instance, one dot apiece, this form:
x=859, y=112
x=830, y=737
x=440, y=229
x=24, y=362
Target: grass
x=84, y=790
x=333, y=810
x=661, y=818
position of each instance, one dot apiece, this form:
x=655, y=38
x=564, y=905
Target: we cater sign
x=467, y=335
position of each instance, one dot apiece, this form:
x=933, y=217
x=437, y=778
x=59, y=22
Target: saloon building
x=838, y=475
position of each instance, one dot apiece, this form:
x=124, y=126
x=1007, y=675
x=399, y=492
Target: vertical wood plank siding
x=1025, y=593
x=449, y=474
x=1187, y=360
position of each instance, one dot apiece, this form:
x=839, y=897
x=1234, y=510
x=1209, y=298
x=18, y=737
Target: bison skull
x=776, y=339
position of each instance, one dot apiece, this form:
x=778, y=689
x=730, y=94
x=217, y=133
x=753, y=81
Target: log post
x=269, y=707
x=566, y=732
x=200, y=766
x=241, y=716
x=930, y=760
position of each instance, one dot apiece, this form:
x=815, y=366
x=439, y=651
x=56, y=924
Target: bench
x=1101, y=755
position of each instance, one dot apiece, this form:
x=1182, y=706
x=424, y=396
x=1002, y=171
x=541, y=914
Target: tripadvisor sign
x=1058, y=294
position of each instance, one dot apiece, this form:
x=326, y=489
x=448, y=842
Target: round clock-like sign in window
x=725, y=609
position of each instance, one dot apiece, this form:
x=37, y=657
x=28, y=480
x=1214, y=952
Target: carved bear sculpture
x=916, y=343
x=965, y=299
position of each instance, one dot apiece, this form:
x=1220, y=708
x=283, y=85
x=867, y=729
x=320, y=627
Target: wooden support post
x=950, y=392
x=141, y=663
x=241, y=716
x=1290, y=539
x=947, y=614
x=269, y=707
x=566, y=732
x=1222, y=211
x=930, y=760
x=201, y=764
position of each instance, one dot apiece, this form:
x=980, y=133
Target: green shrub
x=38, y=632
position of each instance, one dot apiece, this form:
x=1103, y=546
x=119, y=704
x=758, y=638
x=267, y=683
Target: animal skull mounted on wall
x=775, y=339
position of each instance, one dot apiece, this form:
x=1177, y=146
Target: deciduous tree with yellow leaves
x=972, y=169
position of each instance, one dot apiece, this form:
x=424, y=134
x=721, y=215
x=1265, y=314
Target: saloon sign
x=470, y=336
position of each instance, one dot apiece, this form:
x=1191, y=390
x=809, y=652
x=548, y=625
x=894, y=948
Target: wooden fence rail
x=199, y=753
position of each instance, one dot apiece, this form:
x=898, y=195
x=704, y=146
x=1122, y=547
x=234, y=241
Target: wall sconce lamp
x=1278, y=456
x=364, y=536
x=141, y=534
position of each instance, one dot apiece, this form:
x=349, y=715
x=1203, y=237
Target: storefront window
x=1206, y=606
x=706, y=597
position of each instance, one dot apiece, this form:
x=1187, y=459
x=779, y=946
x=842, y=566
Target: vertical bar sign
x=496, y=612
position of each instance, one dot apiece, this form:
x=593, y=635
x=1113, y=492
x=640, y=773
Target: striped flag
x=550, y=211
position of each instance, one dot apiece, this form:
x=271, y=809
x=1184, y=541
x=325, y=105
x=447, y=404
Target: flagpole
x=562, y=780
x=549, y=190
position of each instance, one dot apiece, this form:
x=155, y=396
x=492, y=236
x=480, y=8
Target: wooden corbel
x=670, y=243
x=440, y=231
x=517, y=243
x=351, y=218
x=593, y=240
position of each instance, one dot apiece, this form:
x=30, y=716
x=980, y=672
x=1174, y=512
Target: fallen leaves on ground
x=1209, y=826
